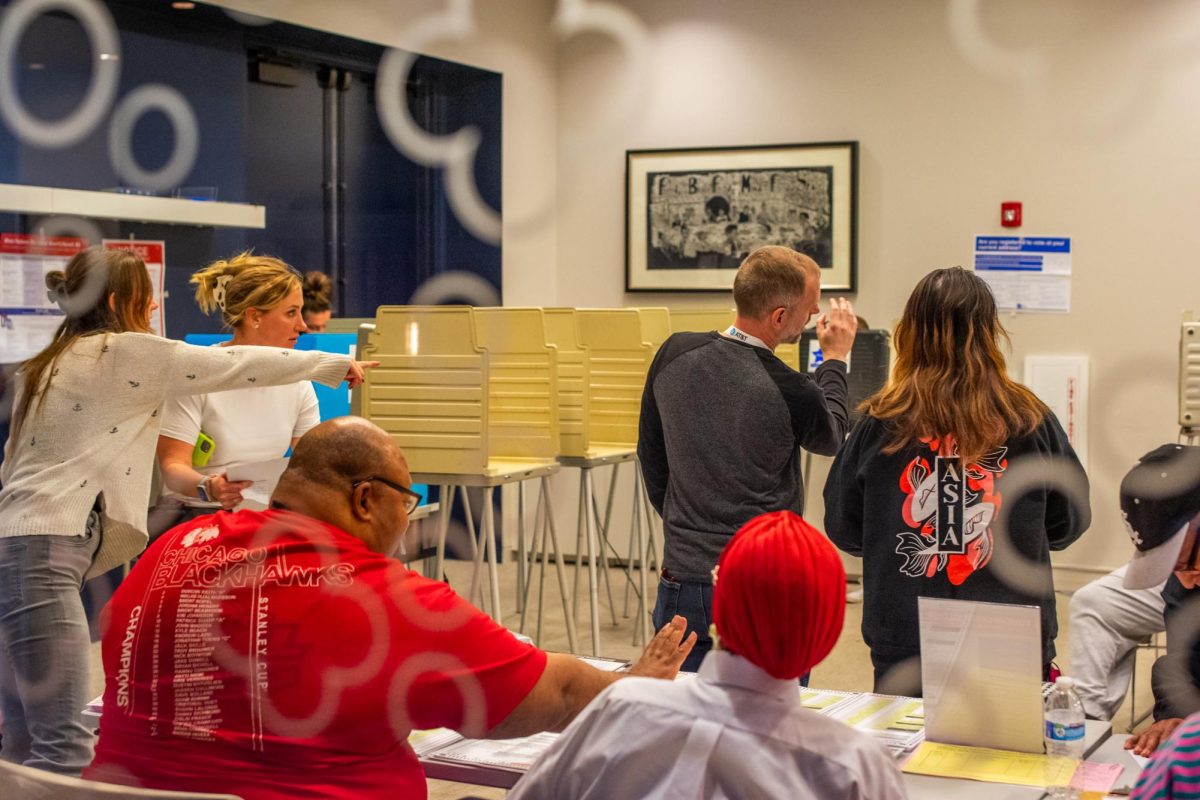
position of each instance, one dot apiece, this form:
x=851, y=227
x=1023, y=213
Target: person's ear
x=361, y=500
x=112, y=302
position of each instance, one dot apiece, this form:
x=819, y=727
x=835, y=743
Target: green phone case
x=203, y=450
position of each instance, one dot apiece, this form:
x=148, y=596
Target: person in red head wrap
x=738, y=729
x=779, y=599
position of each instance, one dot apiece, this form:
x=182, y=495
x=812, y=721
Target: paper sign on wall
x=28, y=318
x=153, y=255
x=1026, y=273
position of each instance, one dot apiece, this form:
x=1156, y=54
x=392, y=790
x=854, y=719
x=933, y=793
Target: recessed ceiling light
x=183, y=6
x=109, y=56
x=36, y=65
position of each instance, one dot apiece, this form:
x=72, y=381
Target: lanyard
x=742, y=336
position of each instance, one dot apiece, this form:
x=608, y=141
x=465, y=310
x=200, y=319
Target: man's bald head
x=340, y=451
x=327, y=479
x=772, y=277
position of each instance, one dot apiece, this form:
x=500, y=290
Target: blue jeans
x=693, y=602
x=44, y=645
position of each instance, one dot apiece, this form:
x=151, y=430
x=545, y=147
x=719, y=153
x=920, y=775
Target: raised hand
x=666, y=651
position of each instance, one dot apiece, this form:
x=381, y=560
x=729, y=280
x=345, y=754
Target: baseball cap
x=1159, y=497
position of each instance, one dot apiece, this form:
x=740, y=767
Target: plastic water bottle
x=1064, y=735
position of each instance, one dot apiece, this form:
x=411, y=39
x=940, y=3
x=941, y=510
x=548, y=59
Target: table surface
x=1113, y=751
x=927, y=787
x=919, y=787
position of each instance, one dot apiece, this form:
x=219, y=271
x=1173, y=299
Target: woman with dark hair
x=918, y=487
x=318, y=300
x=76, y=478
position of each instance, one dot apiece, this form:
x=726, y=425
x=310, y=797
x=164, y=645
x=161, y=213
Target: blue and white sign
x=1049, y=255
x=1026, y=273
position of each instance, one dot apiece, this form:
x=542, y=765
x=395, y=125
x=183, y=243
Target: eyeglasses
x=411, y=498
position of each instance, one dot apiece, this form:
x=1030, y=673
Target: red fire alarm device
x=1010, y=215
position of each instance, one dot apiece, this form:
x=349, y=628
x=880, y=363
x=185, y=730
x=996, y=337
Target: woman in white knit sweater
x=76, y=480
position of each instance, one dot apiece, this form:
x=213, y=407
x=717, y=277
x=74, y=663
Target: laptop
x=981, y=672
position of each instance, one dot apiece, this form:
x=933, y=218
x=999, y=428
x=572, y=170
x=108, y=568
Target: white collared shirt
x=732, y=732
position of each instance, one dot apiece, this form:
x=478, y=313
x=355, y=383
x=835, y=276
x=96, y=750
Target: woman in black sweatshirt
x=952, y=460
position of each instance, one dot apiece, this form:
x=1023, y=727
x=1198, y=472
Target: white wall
x=1084, y=110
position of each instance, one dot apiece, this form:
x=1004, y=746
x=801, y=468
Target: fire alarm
x=1010, y=215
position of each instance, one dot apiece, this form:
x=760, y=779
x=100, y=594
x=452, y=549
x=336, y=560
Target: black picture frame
x=692, y=214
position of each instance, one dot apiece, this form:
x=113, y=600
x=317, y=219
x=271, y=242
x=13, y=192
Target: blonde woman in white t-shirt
x=261, y=300
x=76, y=474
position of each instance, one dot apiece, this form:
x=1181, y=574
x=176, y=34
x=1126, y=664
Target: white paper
x=264, y=474
x=1016, y=291
x=512, y=754
x=604, y=664
x=1026, y=273
x=23, y=336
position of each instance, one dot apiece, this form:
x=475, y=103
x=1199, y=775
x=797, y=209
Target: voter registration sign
x=1026, y=273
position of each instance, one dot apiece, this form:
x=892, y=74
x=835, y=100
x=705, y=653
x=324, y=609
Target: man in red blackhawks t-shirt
x=283, y=654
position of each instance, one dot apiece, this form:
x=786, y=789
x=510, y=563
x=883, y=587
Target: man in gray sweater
x=723, y=422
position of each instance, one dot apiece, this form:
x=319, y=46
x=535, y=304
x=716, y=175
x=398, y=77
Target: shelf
x=140, y=208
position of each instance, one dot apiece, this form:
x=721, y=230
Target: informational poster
x=153, y=253
x=1026, y=273
x=28, y=318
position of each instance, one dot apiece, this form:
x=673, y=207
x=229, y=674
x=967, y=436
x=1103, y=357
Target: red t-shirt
x=272, y=656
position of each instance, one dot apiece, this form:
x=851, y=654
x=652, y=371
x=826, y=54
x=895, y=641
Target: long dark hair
x=950, y=377
x=83, y=290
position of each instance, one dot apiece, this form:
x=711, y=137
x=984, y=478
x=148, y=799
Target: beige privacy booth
x=719, y=319
x=523, y=394
x=617, y=359
x=700, y=320
x=469, y=399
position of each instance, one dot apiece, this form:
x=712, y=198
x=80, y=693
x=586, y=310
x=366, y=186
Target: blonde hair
x=771, y=277
x=241, y=283
x=82, y=290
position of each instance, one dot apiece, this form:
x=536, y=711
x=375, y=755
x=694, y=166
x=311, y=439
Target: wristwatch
x=202, y=489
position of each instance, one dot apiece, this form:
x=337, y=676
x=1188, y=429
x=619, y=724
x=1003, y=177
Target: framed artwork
x=692, y=215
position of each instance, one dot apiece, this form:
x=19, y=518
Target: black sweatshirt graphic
x=925, y=525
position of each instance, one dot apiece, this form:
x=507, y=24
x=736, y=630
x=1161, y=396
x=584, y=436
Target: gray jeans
x=44, y=648
x=1107, y=622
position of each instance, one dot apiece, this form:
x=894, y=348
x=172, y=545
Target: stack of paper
x=897, y=722
x=425, y=742
x=605, y=664
x=515, y=756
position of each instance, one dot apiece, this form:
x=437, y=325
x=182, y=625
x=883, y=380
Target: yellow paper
x=993, y=766
x=873, y=707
